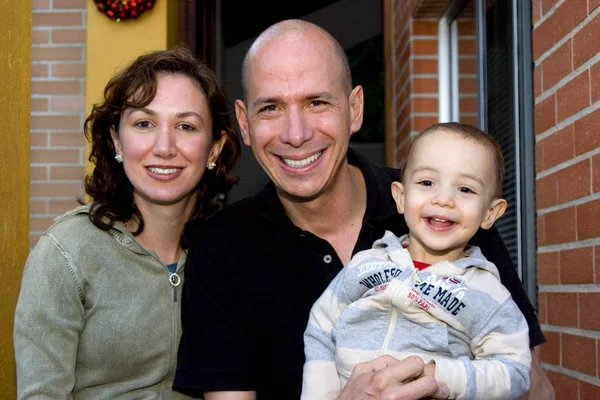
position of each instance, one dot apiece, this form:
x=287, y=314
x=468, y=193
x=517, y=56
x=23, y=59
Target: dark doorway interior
x=221, y=31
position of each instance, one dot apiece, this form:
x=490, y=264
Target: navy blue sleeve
x=494, y=250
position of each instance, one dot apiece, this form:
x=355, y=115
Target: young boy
x=428, y=293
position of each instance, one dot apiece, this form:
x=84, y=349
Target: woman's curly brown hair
x=135, y=86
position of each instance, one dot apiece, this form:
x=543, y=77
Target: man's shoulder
x=236, y=219
x=246, y=209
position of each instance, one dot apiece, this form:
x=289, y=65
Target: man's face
x=298, y=115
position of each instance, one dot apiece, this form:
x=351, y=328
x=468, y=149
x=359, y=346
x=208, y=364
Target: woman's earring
x=119, y=158
x=211, y=165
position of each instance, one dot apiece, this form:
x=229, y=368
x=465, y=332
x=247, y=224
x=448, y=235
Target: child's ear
x=398, y=195
x=494, y=211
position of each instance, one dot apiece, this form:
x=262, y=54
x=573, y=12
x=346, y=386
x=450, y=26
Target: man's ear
x=357, y=108
x=115, y=140
x=398, y=195
x=494, y=211
x=241, y=113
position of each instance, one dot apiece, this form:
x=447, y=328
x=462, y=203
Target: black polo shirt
x=252, y=276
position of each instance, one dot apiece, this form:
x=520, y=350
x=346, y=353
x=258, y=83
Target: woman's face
x=167, y=144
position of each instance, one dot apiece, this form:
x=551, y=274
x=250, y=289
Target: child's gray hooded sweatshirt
x=457, y=314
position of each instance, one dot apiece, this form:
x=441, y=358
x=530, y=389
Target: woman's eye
x=187, y=127
x=143, y=124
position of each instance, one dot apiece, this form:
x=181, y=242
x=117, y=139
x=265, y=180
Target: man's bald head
x=295, y=29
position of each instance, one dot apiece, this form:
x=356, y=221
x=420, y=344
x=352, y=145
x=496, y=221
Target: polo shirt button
x=327, y=258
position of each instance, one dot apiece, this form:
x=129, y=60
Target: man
x=254, y=271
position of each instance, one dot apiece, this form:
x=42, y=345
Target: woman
x=98, y=314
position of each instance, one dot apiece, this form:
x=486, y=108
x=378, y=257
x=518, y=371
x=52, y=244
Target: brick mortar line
x=56, y=28
x=404, y=104
x=568, y=78
x=58, y=45
x=57, y=130
x=401, y=49
x=47, y=215
x=57, y=113
x=589, y=333
x=570, y=288
x=58, y=182
x=404, y=84
x=423, y=96
x=568, y=121
x=425, y=76
x=56, y=148
x=573, y=374
x=435, y=57
x=57, y=79
x=424, y=114
x=576, y=29
x=61, y=62
x=53, y=198
x=59, y=26
x=405, y=140
x=48, y=164
x=562, y=206
x=424, y=57
x=430, y=94
x=405, y=45
x=544, y=17
x=56, y=10
x=568, y=246
x=565, y=164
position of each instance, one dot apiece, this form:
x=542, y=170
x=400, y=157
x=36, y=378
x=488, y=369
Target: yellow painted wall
x=111, y=45
x=15, y=76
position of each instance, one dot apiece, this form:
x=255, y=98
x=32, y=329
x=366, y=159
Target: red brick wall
x=467, y=70
x=57, y=109
x=416, y=70
x=414, y=74
x=566, y=52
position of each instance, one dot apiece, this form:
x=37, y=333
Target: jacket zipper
x=174, y=280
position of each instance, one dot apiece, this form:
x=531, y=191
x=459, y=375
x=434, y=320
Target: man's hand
x=386, y=378
x=540, y=387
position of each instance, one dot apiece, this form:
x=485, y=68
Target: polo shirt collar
x=380, y=203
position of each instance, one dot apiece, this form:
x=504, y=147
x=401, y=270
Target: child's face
x=447, y=195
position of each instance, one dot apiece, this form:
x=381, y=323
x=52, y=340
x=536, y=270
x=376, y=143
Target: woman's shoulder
x=74, y=227
x=77, y=217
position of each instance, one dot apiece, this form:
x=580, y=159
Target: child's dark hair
x=468, y=132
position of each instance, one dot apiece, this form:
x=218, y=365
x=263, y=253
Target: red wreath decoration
x=120, y=10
